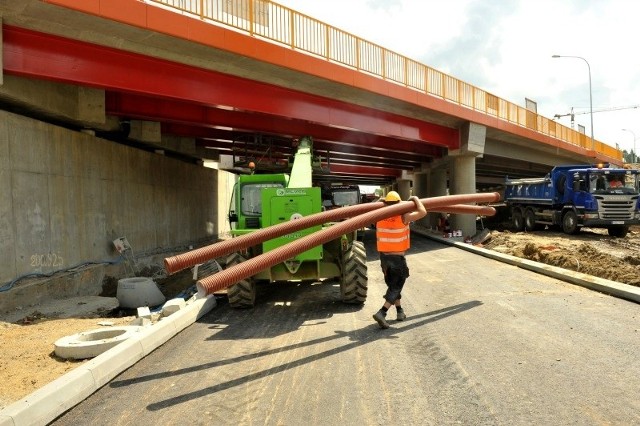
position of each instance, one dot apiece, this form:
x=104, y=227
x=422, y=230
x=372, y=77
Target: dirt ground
x=591, y=251
x=28, y=334
x=28, y=362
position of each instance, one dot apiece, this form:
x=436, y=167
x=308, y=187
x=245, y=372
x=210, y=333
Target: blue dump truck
x=570, y=197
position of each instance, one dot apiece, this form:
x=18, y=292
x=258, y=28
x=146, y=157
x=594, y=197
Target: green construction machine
x=262, y=200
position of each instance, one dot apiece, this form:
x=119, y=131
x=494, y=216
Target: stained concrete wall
x=66, y=195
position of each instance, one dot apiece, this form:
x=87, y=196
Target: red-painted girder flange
x=35, y=54
x=199, y=116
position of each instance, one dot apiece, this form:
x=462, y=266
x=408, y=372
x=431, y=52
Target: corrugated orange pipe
x=200, y=255
x=252, y=266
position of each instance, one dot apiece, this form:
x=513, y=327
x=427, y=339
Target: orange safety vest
x=392, y=235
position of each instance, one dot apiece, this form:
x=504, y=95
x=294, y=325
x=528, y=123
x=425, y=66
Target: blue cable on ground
x=8, y=286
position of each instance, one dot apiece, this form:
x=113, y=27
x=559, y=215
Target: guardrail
x=279, y=24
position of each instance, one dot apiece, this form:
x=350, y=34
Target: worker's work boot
x=380, y=319
x=401, y=315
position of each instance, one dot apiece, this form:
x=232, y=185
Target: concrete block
x=141, y=322
x=145, y=131
x=91, y=105
x=179, y=144
x=172, y=306
x=144, y=312
x=60, y=100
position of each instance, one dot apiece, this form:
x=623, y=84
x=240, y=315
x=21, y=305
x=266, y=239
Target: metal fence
x=279, y=24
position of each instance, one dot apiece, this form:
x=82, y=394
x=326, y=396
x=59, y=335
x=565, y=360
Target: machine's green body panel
x=285, y=204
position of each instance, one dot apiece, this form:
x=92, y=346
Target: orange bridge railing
x=284, y=26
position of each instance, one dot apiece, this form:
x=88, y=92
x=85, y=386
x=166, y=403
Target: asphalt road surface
x=485, y=343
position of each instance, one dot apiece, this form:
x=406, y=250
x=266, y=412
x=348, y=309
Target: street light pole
x=590, y=93
x=634, y=144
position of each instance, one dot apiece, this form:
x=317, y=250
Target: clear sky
x=504, y=47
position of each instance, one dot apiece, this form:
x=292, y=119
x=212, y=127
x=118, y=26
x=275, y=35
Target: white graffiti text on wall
x=46, y=260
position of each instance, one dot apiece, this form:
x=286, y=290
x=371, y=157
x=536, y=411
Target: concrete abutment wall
x=66, y=195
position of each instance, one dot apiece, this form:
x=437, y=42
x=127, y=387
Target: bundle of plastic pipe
x=447, y=204
x=252, y=266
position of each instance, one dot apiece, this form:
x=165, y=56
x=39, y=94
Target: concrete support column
x=437, y=186
x=421, y=190
x=463, y=176
x=404, y=189
x=421, y=184
x=464, y=182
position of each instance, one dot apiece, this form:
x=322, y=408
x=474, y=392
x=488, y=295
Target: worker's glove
x=416, y=201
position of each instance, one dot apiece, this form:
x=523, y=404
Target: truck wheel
x=517, y=221
x=354, y=280
x=243, y=293
x=618, y=231
x=570, y=222
x=529, y=220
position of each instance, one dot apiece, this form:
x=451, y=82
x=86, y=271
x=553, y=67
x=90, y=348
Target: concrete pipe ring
x=89, y=344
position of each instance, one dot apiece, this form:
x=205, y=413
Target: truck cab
x=610, y=198
x=575, y=196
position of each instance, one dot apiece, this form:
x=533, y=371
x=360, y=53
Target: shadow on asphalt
x=357, y=338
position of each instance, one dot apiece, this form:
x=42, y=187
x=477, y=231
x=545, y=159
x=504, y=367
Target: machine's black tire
x=618, y=231
x=517, y=220
x=354, y=279
x=530, y=220
x=570, y=222
x=243, y=293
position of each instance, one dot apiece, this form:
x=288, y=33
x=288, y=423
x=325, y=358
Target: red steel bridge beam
x=34, y=54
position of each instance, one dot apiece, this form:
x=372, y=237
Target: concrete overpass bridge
x=219, y=73
x=176, y=82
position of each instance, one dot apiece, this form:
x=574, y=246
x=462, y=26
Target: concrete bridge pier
x=404, y=188
x=436, y=187
x=421, y=190
x=463, y=179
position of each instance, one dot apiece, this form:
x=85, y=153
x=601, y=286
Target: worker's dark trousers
x=396, y=272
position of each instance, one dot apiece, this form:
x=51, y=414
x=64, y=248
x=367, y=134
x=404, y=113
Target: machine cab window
x=252, y=197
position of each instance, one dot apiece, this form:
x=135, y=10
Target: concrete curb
x=612, y=288
x=50, y=401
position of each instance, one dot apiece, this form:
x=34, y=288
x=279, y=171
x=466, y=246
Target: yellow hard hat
x=392, y=197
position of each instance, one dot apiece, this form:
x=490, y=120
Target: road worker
x=443, y=224
x=392, y=235
x=615, y=182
